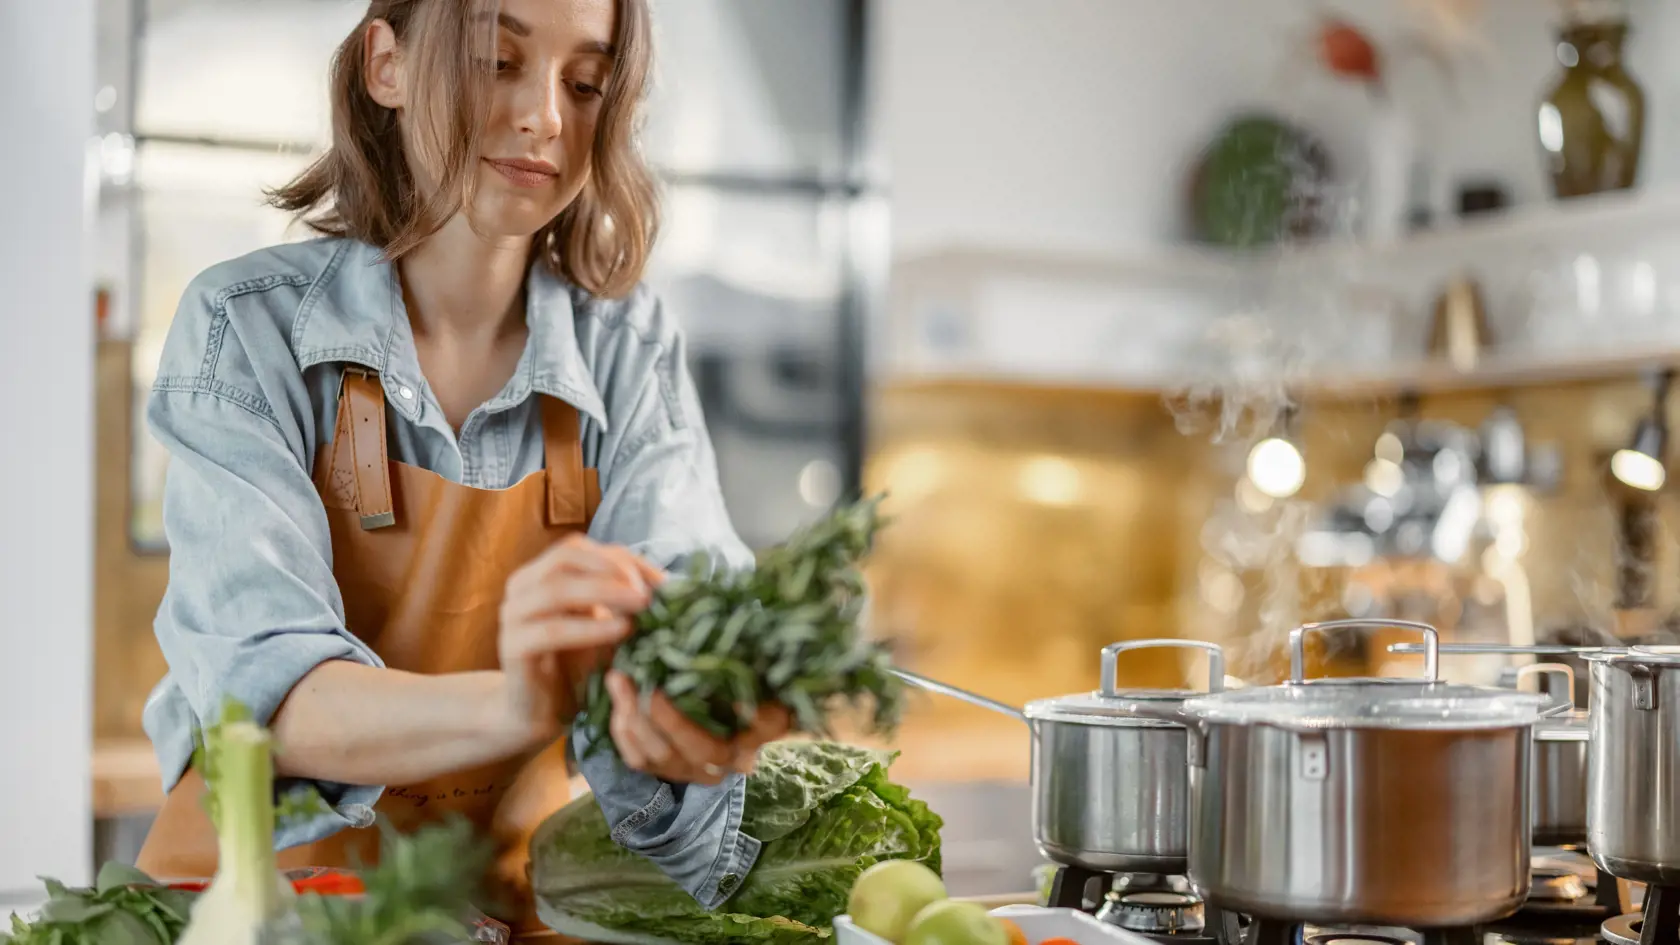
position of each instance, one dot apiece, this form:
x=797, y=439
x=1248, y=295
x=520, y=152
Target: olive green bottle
x=1592, y=121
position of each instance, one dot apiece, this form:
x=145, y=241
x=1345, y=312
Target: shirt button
x=406, y=393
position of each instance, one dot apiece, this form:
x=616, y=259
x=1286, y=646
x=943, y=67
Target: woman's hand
x=661, y=741
x=561, y=616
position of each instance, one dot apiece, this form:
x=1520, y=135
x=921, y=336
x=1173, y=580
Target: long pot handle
x=933, y=685
x=1516, y=649
x=1567, y=703
x=1297, y=643
x=1111, y=661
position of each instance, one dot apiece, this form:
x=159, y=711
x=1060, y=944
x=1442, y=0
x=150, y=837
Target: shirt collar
x=354, y=312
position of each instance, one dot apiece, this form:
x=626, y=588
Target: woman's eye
x=503, y=65
x=585, y=89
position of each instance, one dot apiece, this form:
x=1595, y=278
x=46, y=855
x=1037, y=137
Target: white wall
x=46, y=485
x=1070, y=124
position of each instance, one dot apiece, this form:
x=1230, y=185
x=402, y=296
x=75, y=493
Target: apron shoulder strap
x=563, y=455
x=359, y=469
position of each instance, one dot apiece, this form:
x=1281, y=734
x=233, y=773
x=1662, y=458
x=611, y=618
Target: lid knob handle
x=1297, y=643
x=1111, y=661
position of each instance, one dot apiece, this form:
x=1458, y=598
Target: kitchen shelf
x=1582, y=290
x=1419, y=377
x=1493, y=374
x=1622, y=213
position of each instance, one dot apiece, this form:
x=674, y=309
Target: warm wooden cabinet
x=128, y=586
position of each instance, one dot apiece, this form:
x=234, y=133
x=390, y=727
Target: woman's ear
x=382, y=63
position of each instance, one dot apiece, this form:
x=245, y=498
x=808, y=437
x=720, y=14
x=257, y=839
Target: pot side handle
x=1297, y=643
x=1567, y=702
x=1111, y=661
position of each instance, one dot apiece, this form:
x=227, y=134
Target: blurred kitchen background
x=1157, y=318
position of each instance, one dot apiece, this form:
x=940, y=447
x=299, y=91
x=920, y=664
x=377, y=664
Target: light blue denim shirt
x=246, y=392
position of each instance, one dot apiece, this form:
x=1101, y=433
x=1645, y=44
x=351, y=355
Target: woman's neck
x=466, y=304
x=465, y=287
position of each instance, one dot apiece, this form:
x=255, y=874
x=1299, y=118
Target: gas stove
x=1570, y=903
x=1564, y=884
x=1164, y=909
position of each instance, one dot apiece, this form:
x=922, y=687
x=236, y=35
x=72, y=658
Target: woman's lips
x=524, y=173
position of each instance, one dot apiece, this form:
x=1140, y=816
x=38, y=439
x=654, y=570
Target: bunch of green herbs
x=722, y=644
x=425, y=887
x=123, y=907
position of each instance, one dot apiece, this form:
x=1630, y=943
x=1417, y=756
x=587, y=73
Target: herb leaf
x=785, y=632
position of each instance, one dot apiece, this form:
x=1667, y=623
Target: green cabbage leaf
x=824, y=813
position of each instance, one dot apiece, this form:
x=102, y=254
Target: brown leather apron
x=421, y=563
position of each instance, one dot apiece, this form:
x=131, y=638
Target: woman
x=426, y=467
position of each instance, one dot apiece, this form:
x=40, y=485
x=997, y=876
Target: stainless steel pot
x=1633, y=775
x=1110, y=785
x=1558, y=784
x=1401, y=802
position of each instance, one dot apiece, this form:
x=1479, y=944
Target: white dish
x=1037, y=922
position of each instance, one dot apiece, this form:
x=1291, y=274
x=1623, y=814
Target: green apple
x=955, y=923
x=889, y=894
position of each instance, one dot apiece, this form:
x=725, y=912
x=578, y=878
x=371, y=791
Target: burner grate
x=1657, y=924
x=1162, y=910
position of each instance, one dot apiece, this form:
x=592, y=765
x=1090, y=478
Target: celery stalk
x=248, y=890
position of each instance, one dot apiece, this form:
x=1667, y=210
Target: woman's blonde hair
x=362, y=187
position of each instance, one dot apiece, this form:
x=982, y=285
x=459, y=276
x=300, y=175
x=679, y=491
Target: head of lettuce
x=824, y=812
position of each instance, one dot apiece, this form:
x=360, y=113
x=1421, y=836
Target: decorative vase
x=1592, y=122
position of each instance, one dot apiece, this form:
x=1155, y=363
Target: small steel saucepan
x=1109, y=785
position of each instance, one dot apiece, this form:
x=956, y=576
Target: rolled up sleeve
x=661, y=499
x=251, y=605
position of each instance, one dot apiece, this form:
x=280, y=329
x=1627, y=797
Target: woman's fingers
x=631, y=728
x=634, y=567
x=571, y=593
x=696, y=746
x=771, y=723
x=559, y=634
x=645, y=746
x=650, y=572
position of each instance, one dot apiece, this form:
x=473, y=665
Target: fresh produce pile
x=904, y=903
x=785, y=632
x=424, y=887
x=123, y=906
x=825, y=813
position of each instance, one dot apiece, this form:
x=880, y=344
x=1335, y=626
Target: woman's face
x=553, y=61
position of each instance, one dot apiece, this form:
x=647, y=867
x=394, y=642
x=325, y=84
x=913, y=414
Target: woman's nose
x=540, y=114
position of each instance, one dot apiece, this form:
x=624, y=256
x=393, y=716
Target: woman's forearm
x=358, y=724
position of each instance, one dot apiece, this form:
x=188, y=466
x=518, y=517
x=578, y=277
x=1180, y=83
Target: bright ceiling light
x=1276, y=468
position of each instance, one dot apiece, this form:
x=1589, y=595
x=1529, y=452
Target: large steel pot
x=1633, y=774
x=1400, y=802
x=1110, y=785
x=1558, y=784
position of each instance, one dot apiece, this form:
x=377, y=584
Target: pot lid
x=1370, y=704
x=1647, y=655
x=1129, y=708
x=1135, y=708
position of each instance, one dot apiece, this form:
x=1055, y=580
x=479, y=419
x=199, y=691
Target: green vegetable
x=825, y=812
x=247, y=892
x=786, y=632
x=424, y=887
x=123, y=907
